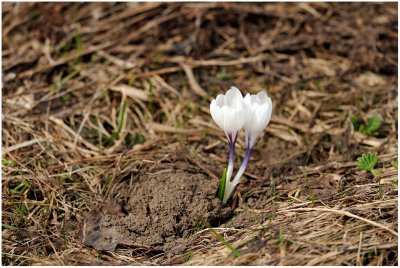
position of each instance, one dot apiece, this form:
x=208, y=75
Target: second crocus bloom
x=259, y=110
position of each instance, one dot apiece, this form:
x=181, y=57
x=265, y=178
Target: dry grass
x=69, y=68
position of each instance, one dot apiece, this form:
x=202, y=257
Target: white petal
x=220, y=100
x=235, y=91
x=240, y=117
x=247, y=99
x=262, y=96
x=226, y=115
x=262, y=117
x=269, y=110
x=216, y=113
x=233, y=96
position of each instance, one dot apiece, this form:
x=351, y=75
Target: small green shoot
x=189, y=257
x=107, y=182
x=280, y=238
x=21, y=209
x=150, y=103
x=260, y=228
x=9, y=227
x=8, y=162
x=65, y=99
x=222, y=184
x=226, y=243
x=371, y=128
x=367, y=162
x=236, y=213
x=309, y=189
x=60, y=80
x=355, y=121
x=63, y=233
x=21, y=187
x=79, y=47
x=131, y=140
x=381, y=195
x=395, y=163
x=297, y=193
x=272, y=191
x=224, y=75
x=121, y=117
x=342, y=190
x=132, y=79
x=200, y=227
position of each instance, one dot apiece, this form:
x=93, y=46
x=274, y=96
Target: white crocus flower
x=258, y=117
x=259, y=109
x=229, y=112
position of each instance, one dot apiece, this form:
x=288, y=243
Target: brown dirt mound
x=163, y=210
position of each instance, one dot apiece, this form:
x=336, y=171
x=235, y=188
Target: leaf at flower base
x=222, y=184
x=367, y=161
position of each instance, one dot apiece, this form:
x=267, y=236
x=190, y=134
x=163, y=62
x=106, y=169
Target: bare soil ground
x=110, y=155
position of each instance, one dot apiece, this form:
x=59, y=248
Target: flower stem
x=231, y=142
x=243, y=167
x=231, y=161
x=230, y=185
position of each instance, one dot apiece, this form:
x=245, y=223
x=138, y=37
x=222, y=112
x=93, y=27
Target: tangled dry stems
x=303, y=202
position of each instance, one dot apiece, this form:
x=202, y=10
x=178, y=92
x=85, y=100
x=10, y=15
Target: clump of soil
x=163, y=210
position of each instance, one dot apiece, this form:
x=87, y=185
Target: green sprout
x=188, y=257
x=395, y=163
x=224, y=75
x=21, y=187
x=222, y=184
x=281, y=239
x=131, y=140
x=355, y=121
x=225, y=243
x=10, y=227
x=371, y=128
x=121, y=118
x=367, y=162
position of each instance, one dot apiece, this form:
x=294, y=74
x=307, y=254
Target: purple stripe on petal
x=230, y=137
x=247, y=156
x=236, y=135
x=231, y=152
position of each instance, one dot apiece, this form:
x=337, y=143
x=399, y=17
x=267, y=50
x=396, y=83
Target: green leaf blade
x=226, y=243
x=121, y=116
x=222, y=184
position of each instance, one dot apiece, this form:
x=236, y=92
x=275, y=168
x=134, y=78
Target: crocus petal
x=220, y=100
x=263, y=97
x=216, y=113
x=233, y=96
